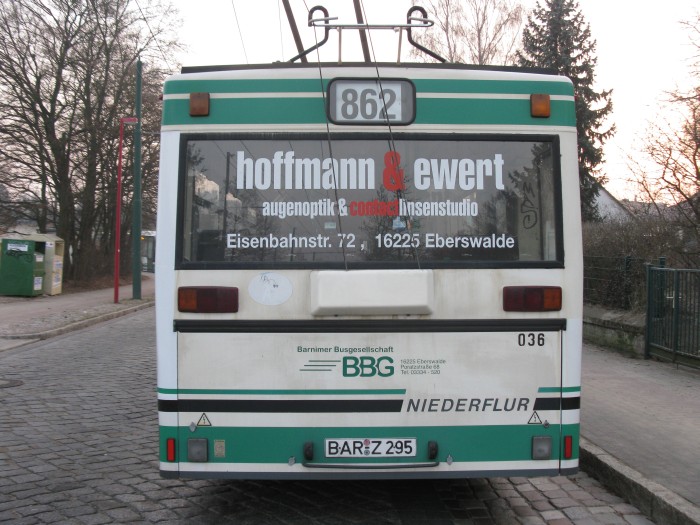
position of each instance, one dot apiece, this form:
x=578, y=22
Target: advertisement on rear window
x=369, y=203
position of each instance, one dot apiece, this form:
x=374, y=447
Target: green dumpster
x=22, y=267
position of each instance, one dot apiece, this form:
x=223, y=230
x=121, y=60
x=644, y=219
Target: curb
x=83, y=323
x=654, y=500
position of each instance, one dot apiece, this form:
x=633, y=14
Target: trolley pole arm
x=412, y=22
x=295, y=31
x=423, y=20
x=326, y=18
x=363, y=33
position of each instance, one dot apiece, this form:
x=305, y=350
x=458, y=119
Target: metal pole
x=363, y=35
x=118, y=215
x=118, y=211
x=651, y=309
x=136, y=228
x=294, y=28
x=225, y=227
x=676, y=313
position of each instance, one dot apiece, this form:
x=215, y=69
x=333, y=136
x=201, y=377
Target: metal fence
x=673, y=315
x=615, y=282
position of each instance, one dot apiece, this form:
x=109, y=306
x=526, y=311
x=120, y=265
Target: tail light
x=207, y=299
x=531, y=298
x=170, y=449
x=568, y=447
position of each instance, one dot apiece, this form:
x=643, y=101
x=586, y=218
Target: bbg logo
x=368, y=366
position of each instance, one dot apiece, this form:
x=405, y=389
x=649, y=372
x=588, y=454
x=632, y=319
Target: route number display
x=359, y=101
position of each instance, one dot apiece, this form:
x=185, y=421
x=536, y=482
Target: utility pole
x=136, y=222
x=118, y=212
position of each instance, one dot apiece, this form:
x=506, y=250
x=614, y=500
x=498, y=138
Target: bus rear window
x=264, y=201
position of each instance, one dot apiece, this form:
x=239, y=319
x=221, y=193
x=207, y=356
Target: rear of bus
x=368, y=273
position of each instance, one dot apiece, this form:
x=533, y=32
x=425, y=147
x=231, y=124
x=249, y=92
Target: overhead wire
x=153, y=36
x=279, y=18
x=330, y=147
x=240, y=33
x=391, y=142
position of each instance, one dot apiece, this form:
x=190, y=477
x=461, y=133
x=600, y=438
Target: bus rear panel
x=368, y=273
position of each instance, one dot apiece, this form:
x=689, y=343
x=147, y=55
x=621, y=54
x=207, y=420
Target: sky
x=642, y=50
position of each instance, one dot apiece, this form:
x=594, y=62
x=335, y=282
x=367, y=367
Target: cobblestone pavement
x=78, y=444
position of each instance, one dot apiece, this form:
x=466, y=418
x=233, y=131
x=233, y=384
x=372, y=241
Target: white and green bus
x=368, y=271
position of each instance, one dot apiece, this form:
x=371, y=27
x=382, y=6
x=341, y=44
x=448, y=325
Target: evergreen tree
x=557, y=37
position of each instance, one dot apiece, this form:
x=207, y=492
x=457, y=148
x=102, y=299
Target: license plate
x=371, y=448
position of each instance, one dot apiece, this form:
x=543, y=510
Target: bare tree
x=69, y=76
x=7, y=211
x=672, y=148
x=473, y=31
x=37, y=120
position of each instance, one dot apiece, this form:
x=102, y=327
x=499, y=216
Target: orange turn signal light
x=540, y=105
x=199, y=104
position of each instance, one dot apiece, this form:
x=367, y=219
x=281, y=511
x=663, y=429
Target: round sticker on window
x=270, y=288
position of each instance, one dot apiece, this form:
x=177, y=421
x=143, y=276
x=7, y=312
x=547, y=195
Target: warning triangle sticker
x=204, y=421
x=534, y=419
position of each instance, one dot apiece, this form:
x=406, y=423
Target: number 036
x=531, y=339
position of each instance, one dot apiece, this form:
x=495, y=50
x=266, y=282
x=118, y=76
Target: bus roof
x=325, y=65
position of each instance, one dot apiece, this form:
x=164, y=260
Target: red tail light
x=170, y=449
x=568, y=447
x=207, y=299
x=531, y=298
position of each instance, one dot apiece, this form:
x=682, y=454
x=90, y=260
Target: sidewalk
x=640, y=420
x=29, y=319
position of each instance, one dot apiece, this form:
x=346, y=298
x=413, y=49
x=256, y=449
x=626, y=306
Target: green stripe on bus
x=512, y=112
x=277, y=445
x=557, y=389
x=270, y=111
x=315, y=85
x=261, y=85
x=334, y=392
x=493, y=86
x=247, y=111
